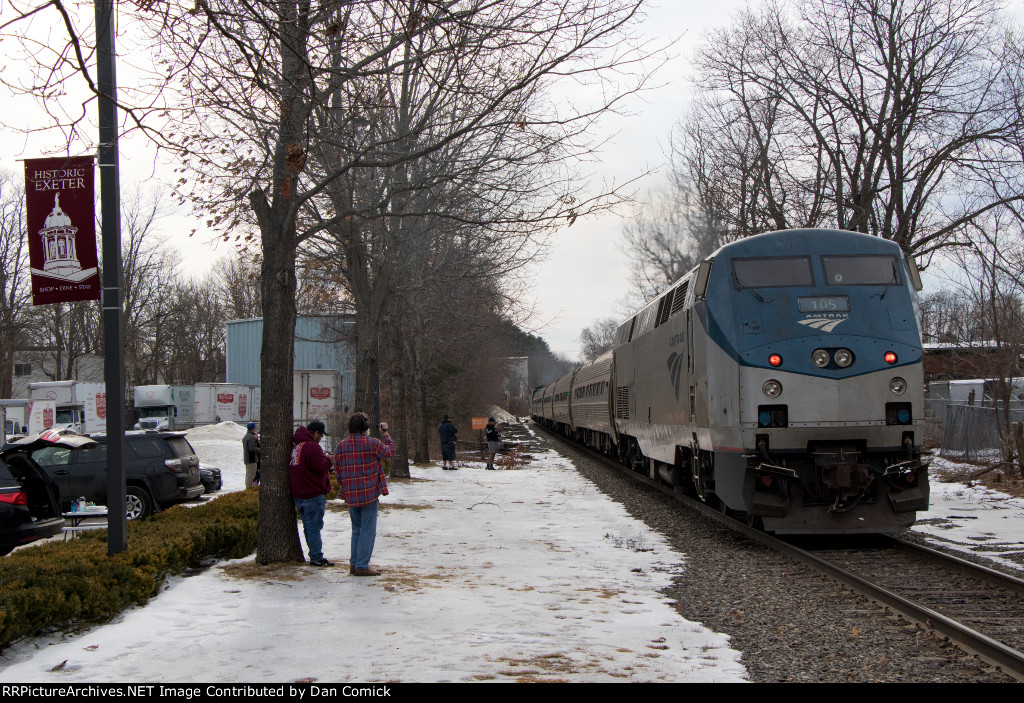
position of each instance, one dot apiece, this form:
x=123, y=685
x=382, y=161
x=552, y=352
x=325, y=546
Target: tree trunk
x=1018, y=443
x=422, y=420
x=365, y=396
x=278, y=536
x=400, y=462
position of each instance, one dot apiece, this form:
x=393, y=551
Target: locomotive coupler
x=841, y=470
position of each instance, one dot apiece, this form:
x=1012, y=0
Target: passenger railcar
x=780, y=379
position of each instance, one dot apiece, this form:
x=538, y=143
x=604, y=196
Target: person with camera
x=493, y=441
x=251, y=454
x=360, y=472
x=309, y=478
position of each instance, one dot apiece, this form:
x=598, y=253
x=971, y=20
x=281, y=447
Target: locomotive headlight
x=821, y=358
x=844, y=357
x=771, y=389
x=898, y=386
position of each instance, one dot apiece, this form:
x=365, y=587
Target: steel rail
x=978, y=571
x=1007, y=659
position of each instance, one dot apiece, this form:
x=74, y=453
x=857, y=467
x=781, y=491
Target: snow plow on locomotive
x=781, y=379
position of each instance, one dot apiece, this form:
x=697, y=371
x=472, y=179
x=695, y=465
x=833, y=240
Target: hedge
x=69, y=585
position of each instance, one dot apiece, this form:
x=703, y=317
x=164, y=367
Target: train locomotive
x=779, y=380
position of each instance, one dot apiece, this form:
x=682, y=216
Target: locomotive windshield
x=861, y=270
x=772, y=272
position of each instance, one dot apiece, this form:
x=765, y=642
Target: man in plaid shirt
x=357, y=464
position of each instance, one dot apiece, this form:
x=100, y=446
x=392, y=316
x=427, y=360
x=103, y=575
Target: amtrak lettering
x=675, y=366
x=825, y=322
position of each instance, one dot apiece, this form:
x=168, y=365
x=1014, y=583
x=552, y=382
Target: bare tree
x=671, y=234
x=598, y=338
x=150, y=270
x=264, y=86
x=194, y=332
x=948, y=316
x=995, y=294
x=237, y=282
x=61, y=335
x=879, y=116
x=15, y=293
x=260, y=85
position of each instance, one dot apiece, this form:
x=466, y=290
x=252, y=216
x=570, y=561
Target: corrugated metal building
x=321, y=342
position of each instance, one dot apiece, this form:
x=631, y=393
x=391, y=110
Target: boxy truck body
x=165, y=407
x=316, y=395
x=226, y=402
x=78, y=406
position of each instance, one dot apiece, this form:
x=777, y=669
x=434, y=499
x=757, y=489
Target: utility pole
x=110, y=230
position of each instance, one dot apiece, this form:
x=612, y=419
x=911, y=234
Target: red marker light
x=775, y=360
x=890, y=357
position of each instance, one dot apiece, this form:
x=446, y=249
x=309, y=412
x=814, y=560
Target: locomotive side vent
x=677, y=302
x=622, y=402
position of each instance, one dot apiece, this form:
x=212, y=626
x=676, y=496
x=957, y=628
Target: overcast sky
x=584, y=275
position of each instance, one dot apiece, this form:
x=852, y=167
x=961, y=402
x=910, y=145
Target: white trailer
x=316, y=394
x=15, y=417
x=165, y=407
x=968, y=392
x=81, y=407
x=42, y=415
x=224, y=402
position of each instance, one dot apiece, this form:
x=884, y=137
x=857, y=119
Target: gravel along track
x=944, y=588
x=791, y=623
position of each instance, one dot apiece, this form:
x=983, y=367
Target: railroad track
x=981, y=610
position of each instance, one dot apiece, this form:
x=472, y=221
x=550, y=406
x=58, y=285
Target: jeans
x=311, y=512
x=364, y=533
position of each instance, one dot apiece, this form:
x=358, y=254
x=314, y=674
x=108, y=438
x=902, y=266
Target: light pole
x=110, y=228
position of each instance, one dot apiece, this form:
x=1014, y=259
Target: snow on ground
x=489, y=575
x=973, y=519
x=220, y=446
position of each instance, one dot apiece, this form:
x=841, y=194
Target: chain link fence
x=969, y=432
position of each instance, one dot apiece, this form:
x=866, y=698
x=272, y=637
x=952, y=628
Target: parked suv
x=161, y=468
x=29, y=502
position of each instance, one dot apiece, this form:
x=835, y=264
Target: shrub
x=68, y=585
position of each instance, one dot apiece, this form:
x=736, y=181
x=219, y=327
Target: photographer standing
x=361, y=475
x=309, y=479
x=493, y=441
x=251, y=454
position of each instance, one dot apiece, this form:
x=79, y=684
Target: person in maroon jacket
x=309, y=477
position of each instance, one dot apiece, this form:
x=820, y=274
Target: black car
x=30, y=506
x=161, y=468
x=210, y=478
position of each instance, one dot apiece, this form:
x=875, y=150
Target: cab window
x=861, y=270
x=772, y=272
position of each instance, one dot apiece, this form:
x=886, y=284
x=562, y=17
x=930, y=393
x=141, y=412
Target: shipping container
x=226, y=402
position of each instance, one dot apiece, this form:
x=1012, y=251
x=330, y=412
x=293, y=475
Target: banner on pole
x=61, y=215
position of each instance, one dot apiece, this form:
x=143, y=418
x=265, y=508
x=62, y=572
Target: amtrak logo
x=823, y=324
x=675, y=368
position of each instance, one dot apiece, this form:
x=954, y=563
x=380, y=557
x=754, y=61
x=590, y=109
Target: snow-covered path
x=489, y=575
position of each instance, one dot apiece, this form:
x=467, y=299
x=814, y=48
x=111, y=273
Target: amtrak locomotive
x=781, y=379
